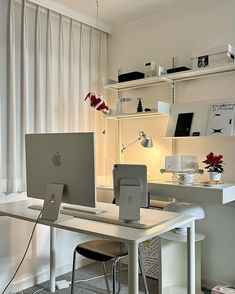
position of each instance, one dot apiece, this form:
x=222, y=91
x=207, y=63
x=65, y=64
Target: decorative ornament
x=98, y=102
x=139, y=106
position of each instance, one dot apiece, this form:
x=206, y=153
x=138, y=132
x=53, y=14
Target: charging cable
x=26, y=250
x=98, y=277
x=65, y=284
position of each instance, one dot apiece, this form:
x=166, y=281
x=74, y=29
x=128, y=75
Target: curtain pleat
x=74, y=75
x=72, y=109
x=24, y=92
x=51, y=66
x=39, y=122
x=80, y=92
x=85, y=112
x=90, y=75
x=1, y=161
x=49, y=78
x=11, y=105
x=61, y=78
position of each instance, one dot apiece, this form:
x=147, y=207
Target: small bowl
x=185, y=178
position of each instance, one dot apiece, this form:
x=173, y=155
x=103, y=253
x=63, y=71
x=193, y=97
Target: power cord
x=63, y=284
x=39, y=290
x=26, y=250
x=97, y=277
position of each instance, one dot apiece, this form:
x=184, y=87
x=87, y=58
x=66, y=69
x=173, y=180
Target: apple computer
x=130, y=190
x=66, y=159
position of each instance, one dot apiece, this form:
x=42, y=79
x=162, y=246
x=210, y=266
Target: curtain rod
x=60, y=9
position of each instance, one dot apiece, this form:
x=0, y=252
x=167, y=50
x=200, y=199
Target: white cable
x=97, y=277
x=26, y=250
x=22, y=259
x=38, y=290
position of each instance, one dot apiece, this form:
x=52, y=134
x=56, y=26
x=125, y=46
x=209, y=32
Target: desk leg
x=191, y=258
x=52, y=258
x=133, y=278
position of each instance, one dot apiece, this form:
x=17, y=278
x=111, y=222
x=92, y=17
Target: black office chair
x=105, y=250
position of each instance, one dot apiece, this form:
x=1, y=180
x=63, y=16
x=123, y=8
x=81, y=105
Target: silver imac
x=62, y=158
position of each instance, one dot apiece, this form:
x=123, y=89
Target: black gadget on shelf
x=183, y=125
x=130, y=76
x=177, y=69
x=196, y=134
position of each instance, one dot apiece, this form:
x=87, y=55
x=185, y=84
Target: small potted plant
x=214, y=166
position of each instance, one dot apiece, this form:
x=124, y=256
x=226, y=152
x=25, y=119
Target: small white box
x=161, y=70
x=181, y=163
x=163, y=107
x=150, y=69
x=215, y=56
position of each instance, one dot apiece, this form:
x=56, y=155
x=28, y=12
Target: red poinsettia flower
x=214, y=163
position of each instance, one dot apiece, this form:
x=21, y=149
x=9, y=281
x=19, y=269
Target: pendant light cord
x=98, y=49
x=98, y=60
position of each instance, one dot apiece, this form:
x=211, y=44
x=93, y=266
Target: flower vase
x=214, y=176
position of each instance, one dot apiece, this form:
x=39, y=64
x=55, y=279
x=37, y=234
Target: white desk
x=197, y=192
x=131, y=236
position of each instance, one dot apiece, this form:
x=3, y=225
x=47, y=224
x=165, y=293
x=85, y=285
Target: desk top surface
x=21, y=211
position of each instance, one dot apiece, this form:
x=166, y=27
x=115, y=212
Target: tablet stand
x=129, y=203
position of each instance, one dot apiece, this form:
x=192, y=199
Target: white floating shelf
x=163, y=108
x=198, y=137
x=135, y=115
x=145, y=82
x=201, y=110
x=174, y=77
x=202, y=72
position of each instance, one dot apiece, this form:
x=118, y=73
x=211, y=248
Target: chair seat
x=102, y=250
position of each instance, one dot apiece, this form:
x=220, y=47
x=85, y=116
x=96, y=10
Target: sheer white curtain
x=49, y=62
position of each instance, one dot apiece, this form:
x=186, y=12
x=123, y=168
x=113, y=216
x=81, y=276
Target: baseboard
x=43, y=276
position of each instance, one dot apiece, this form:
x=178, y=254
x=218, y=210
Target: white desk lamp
x=145, y=141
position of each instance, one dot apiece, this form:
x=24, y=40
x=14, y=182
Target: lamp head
x=146, y=142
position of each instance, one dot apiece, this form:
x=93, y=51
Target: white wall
x=175, y=35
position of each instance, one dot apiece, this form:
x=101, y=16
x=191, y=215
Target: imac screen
x=63, y=158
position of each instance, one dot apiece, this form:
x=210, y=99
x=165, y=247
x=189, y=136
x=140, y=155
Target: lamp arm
x=132, y=143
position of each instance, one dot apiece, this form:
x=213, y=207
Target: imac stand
x=129, y=202
x=52, y=201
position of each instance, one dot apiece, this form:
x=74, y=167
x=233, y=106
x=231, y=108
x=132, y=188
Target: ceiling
x=114, y=13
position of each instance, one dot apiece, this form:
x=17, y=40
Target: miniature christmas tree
x=139, y=106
